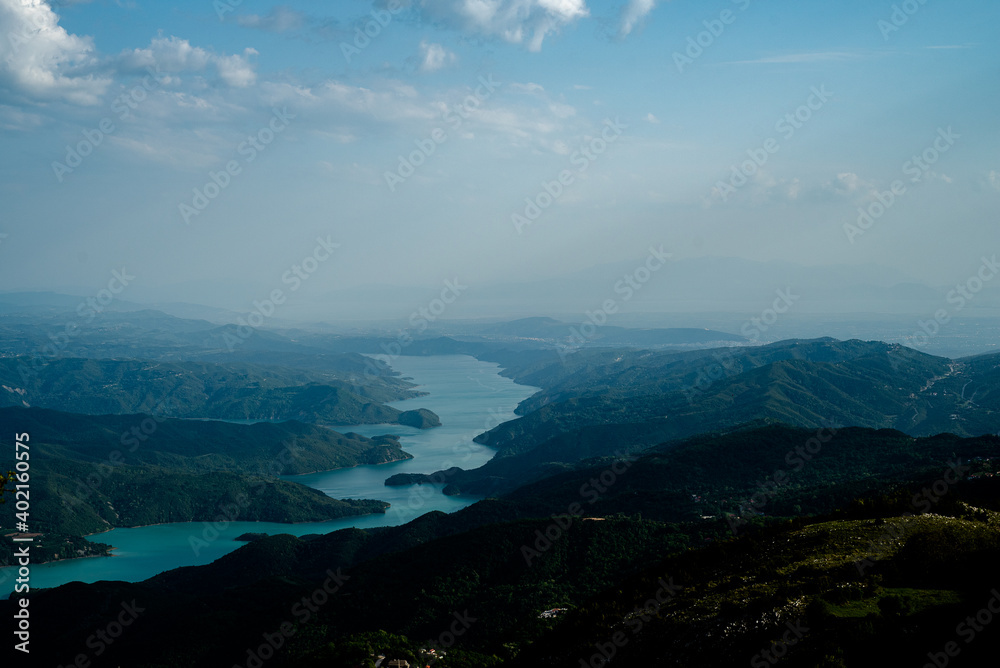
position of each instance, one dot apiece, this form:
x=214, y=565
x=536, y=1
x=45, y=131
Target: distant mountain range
x=690, y=285
x=138, y=332
x=687, y=285
x=601, y=402
x=578, y=334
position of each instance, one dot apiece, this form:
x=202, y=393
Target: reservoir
x=468, y=395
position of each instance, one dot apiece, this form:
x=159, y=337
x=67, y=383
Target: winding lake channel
x=469, y=396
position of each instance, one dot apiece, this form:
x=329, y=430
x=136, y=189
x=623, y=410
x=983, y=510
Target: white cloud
x=41, y=61
x=349, y=105
x=194, y=152
x=235, y=70
x=952, y=46
x=525, y=88
x=278, y=20
x=534, y=121
x=187, y=120
x=560, y=110
x=993, y=178
x=850, y=185
x=650, y=118
x=283, y=20
x=763, y=188
x=433, y=57
x=633, y=14
x=760, y=189
x=16, y=119
x=337, y=136
x=170, y=54
x=516, y=21
x=807, y=57
x=173, y=54
x=938, y=176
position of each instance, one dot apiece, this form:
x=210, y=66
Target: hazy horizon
x=553, y=137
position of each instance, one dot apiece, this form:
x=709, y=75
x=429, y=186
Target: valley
x=582, y=485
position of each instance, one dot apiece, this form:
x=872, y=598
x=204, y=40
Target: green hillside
x=283, y=448
x=599, y=403
x=878, y=577
x=93, y=473
x=230, y=391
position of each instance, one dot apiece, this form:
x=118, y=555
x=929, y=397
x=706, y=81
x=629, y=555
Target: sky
x=200, y=145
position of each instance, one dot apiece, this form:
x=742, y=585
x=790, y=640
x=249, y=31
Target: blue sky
x=562, y=67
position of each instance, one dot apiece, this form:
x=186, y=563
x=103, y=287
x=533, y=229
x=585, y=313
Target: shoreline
x=160, y=524
x=112, y=548
x=346, y=520
x=347, y=468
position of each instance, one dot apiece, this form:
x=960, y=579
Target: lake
x=469, y=396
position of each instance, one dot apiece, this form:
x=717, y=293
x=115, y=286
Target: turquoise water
x=470, y=397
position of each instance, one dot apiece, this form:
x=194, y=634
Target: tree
x=895, y=606
x=4, y=479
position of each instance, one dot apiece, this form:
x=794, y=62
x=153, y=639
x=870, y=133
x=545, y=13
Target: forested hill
x=231, y=391
x=596, y=403
x=399, y=589
x=283, y=448
x=91, y=473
